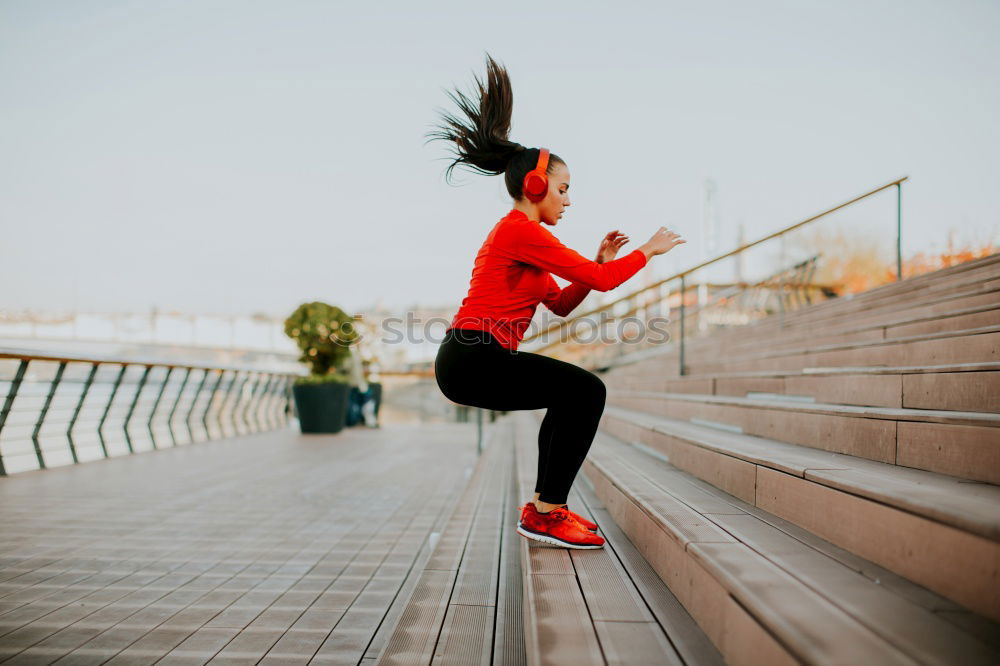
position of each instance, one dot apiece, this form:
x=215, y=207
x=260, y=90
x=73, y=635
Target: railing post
x=244, y=414
x=107, y=408
x=225, y=401
x=899, y=231
x=131, y=409
x=236, y=404
x=11, y=394
x=208, y=407
x=683, y=292
x=270, y=401
x=76, y=412
x=479, y=431
x=261, y=405
x=45, y=410
x=781, y=283
x=267, y=403
x=173, y=409
x=194, y=403
x=156, y=403
x=266, y=408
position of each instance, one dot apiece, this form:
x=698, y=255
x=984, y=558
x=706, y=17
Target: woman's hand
x=610, y=245
x=662, y=241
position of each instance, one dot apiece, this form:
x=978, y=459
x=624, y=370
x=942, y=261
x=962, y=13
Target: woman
x=478, y=363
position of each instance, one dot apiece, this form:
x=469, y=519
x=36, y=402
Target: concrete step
x=916, y=303
x=977, y=345
x=907, y=437
x=972, y=317
x=595, y=606
x=926, y=301
x=982, y=271
x=938, y=531
x=885, y=326
x=972, y=387
x=929, y=299
x=857, y=308
x=770, y=334
x=763, y=590
x=848, y=329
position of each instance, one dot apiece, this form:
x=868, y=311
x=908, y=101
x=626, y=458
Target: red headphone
x=536, y=181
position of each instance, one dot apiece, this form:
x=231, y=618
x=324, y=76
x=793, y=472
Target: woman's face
x=550, y=209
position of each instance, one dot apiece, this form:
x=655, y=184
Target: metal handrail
x=682, y=275
x=267, y=407
x=36, y=355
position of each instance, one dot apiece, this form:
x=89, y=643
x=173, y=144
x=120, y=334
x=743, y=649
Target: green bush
x=324, y=334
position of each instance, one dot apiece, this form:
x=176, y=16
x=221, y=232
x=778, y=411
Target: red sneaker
x=530, y=507
x=557, y=527
x=590, y=525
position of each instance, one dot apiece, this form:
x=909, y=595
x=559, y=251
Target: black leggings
x=473, y=368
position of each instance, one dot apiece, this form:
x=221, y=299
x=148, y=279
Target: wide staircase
x=822, y=488
x=816, y=488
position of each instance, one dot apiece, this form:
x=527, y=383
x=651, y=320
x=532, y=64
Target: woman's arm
x=538, y=247
x=563, y=301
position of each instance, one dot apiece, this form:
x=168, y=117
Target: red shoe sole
x=591, y=530
x=555, y=541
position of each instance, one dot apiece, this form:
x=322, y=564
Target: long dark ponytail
x=480, y=139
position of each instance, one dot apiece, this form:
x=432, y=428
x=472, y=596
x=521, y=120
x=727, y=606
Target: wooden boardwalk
x=274, y=548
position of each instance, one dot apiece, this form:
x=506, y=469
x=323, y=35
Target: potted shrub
x=324, y=334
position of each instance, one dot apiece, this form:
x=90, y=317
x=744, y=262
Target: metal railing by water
x=785, y=280
x=70, y=409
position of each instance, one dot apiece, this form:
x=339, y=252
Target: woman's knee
x=594, y=389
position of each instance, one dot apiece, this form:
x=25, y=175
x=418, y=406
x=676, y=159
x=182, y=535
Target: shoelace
x=559, y=514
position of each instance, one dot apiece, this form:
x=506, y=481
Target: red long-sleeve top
x=511, y=277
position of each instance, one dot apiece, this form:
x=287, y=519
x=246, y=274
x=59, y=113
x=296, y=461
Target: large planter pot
x=322, y=408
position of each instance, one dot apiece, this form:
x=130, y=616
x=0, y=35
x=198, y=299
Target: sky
x=246, y=156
